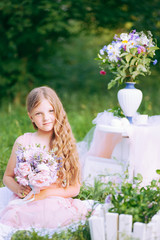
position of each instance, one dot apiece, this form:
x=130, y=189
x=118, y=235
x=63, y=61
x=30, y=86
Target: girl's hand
x=23, y=191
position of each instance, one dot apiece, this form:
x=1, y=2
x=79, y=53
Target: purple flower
x=155, y=62
x=108, y=198
x=134, y=31
x=116, y=37
x=141, y=49
x=104, y=48
x=150, y=205
x=119, y=59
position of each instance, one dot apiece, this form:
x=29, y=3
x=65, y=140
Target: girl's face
x=43, y=116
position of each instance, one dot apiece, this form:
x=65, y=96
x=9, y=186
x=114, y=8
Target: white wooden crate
x=95, y=166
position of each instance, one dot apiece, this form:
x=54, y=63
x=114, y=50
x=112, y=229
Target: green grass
x=80, y=233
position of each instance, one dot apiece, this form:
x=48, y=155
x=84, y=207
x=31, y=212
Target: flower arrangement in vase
x=127, y=57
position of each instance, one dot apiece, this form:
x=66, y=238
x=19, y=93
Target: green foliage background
x=54, y=43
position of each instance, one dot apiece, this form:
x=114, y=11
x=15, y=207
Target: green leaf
x=112, y=83
x=151, y=54
x=123, y=62
x=139, y=176
x=133, y=61
x=99, y=56
x=128, y=57
x=141, y=67
x=151, y=49
x=158, y=171
x=146, y=61
x=133, y=50
x=143, y=74
x=135, y=74
x=123, y=54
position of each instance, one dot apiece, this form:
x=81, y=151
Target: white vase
x=129, y=99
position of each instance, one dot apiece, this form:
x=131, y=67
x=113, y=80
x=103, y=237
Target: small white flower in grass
x=105, y=179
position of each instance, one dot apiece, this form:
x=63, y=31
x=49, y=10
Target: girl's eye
x=38, y=113
x=51, y=110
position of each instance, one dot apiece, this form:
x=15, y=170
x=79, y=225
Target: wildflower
x=155, y=62
x=141, y=49
x=150, y=205
x=102, y=72
x=128, y=56
x=108, y=198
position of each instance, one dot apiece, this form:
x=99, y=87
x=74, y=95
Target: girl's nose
x=46, y=116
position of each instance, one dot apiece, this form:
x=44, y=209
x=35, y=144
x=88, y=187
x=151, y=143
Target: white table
x=139, y=146
x=99, y=160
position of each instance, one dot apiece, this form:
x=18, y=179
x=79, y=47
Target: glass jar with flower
x=127, y=57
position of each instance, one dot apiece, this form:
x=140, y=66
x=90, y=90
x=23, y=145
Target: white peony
x=43, y=167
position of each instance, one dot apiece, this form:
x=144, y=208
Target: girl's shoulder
x=24, y=139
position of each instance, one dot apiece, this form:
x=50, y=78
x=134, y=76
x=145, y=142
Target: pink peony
x=40, y=180
x=24, y=168
x=21, y=180
x=35, y=167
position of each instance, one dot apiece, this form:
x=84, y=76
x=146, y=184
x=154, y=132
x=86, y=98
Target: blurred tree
x=32, y=31
x=144, y=14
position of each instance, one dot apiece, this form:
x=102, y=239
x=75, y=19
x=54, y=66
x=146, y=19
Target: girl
x=52, y=206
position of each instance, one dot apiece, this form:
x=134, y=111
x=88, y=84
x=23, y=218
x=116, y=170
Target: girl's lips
x=47, y=123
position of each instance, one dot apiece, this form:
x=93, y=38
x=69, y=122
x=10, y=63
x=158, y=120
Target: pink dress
x=51, y=212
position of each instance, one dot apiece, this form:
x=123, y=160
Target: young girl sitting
x=53, y=206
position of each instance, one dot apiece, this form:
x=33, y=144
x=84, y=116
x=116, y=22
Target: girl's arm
x=54, y=190
x=9, y=176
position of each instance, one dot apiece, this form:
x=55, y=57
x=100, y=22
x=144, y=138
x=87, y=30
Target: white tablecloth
x=144, y=142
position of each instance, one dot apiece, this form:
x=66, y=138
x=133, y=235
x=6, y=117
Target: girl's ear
x=30, y=116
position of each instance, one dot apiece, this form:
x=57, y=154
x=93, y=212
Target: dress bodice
x=29, y=139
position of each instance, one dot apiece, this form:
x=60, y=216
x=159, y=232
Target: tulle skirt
x=51, y=212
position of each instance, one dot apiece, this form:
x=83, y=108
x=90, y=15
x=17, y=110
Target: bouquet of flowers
x=128, y=56
x=36, y=167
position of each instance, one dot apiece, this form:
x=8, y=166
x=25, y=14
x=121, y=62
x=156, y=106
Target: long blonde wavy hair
x=62, y=138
